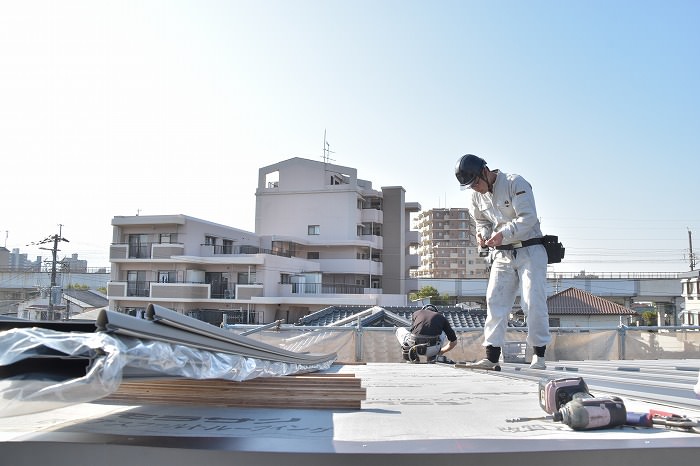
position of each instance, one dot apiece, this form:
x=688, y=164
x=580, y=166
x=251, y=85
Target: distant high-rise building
x=20, y=262
x=448, y=246
x=4, y=258
x=73, y=264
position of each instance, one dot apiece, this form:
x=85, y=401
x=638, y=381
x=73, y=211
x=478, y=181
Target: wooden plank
x=325, y=391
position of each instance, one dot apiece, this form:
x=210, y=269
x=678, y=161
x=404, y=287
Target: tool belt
x=555, y=250
x=418, y=345
x=423, y=340
x=520, y=244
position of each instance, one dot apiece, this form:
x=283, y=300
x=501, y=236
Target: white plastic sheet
x=106, y=358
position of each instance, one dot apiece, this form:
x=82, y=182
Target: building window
x=136, y=284
x=139, y=247
x=209, y=240
x=285, y=278
x=313, y=255
x=245, y=278
x=165, y=238
x=228, y=246
x=314, y=229
x=166, y=276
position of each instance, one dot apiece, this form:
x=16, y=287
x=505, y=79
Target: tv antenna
x=327, y=150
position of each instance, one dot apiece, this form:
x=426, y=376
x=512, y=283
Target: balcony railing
x=219, y=249
x=138, y=288
x=320, y=288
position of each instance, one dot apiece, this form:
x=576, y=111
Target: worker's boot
x=538, y=362
x=483, y=364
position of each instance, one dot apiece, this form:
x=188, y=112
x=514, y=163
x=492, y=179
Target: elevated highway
x=660, y=289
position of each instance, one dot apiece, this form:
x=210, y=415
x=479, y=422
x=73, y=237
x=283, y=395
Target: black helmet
x=430, y=307
x=469, y=168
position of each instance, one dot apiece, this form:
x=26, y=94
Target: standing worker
x=503, y=208
x=427, y=337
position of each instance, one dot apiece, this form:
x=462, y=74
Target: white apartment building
x=323, y=237
x=448, y=245
x=690, y=284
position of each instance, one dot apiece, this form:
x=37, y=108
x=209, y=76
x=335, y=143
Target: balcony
x=249, y=291
x=120, y=251
x=377, y=240
x=413, y=237
x=320, y=288
x=167, y=250
x=180, y=290
x=158, y=290
x=372, y=216
x=213, y=250
x=353, y=266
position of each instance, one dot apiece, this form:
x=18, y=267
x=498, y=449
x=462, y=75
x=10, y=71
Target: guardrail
x=379, y=344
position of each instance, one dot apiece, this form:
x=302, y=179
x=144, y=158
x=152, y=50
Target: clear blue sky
x=170, y=107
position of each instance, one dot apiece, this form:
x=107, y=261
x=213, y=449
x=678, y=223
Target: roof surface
x=86, y=298
x=571, y=301
x=457, y=416
x=574, y=301
x=457, y=316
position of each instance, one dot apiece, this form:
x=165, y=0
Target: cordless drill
x=555, y=393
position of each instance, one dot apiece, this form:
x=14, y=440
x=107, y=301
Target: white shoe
x=483, y=364
x=538, y=363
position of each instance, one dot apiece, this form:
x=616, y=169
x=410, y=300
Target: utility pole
x=690, y=245
x=54, y=250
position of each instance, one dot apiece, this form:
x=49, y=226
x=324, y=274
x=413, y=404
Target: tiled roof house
x=577, y=308
x=391, y=316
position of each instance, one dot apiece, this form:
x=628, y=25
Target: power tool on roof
x=568, y=401
x=555, y=393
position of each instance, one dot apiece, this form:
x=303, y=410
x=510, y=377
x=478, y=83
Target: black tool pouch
x=555, y=250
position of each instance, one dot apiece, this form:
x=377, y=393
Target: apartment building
x=447, y=246
x=323, y=237
x=690, y=284
x=360, y=236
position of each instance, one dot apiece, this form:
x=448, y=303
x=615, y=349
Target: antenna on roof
x=327, y=150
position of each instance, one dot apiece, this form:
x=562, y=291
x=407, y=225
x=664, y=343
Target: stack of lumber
x=314, y=390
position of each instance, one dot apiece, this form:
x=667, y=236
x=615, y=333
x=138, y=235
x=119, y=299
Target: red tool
x=656, y=417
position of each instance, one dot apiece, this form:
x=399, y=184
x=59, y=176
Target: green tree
x=427, y=292
x=77, y=286
x=649, y=318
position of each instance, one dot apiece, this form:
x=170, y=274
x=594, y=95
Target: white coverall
x=511, y=210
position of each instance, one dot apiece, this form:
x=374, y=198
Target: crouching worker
x=427, y=337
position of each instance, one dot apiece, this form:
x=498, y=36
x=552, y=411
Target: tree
x=649, y=318
x=427, y=292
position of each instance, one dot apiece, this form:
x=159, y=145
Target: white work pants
x=524, y=270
